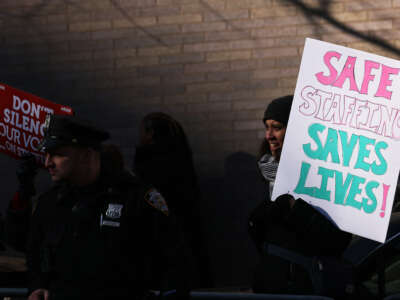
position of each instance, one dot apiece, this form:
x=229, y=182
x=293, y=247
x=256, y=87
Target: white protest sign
x=342, y=146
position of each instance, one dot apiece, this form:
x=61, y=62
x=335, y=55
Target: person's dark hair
x=165, y=130
x=278, y=110
x=264, y=148
x=112, y=160
x=113, y=153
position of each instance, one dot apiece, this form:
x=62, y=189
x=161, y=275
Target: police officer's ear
x=146, y=135
x=87, y=155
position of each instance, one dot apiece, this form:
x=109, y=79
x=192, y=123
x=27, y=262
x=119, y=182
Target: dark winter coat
x=104, y=241
x=169, y=167
x=303, y=229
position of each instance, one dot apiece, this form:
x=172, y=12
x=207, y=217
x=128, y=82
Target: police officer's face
x=275, y=134
x=64, y=163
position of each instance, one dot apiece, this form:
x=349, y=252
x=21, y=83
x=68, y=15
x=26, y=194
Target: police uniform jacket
x=113, y=238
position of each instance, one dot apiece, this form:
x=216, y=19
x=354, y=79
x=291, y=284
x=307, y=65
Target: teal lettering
x=341, y=187
x=322, y=192
x=347, y=147
x=363, y=152
x=331, y=147
x=382, y=167
x=346, y=190
x=321, y=151
x=354, y=191
x=300, y=188
x=313, y=133
x=369, y=208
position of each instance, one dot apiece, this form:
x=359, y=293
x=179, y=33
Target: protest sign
x=22, y=118
x=342, y=144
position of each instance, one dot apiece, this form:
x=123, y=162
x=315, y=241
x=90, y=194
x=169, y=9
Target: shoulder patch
x=155, y=199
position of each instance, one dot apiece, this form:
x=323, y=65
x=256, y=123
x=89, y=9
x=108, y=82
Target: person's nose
x=268, y=133
x=48, y=161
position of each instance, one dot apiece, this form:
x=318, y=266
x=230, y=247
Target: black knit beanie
x=279, y=109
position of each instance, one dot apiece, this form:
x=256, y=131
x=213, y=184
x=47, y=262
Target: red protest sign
x=22, y=118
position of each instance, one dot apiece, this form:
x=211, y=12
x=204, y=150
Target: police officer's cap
x=63, y=130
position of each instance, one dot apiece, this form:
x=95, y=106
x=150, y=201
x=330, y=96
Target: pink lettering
x=369, y=65
x=341, y=109
x=327, y=80
x=386, y=81
x=347, y=73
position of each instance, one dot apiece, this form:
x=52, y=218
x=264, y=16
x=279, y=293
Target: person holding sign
x=22, y=203
x=286, y=222
x=98, y=232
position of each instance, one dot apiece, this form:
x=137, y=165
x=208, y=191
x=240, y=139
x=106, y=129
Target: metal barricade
x=251, y=296
x=6, y=293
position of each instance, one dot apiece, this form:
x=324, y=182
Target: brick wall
x=212, y=64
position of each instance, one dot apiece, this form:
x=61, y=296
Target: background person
x=163, y=158
x=22, y=203
x=286, y=222
x=99, y=232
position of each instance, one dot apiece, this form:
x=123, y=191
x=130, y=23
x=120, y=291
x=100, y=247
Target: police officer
x=98, y=233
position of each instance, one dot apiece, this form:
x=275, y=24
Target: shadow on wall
x=323, y=11
x=227, y=202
